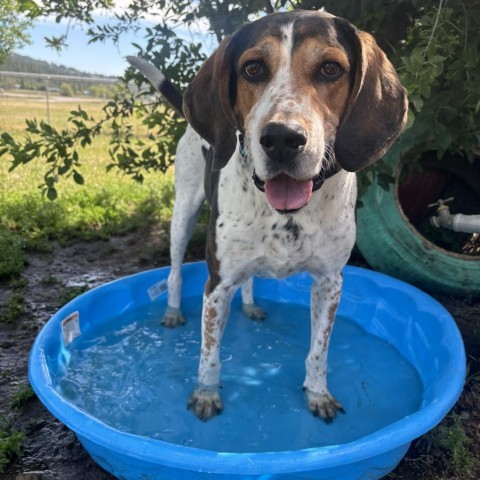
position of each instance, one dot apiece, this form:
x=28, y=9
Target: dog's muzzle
x=288, y=195
x=296, y=193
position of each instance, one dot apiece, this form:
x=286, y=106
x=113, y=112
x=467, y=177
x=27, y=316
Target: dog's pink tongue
x=286, y=193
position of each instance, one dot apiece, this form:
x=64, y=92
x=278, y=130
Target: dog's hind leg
x=189, y=197
x=250, y=309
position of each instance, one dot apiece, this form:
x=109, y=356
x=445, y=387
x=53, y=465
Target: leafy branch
x=433, y=45
x=59, y=148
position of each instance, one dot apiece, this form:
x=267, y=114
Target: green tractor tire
x=390, y=244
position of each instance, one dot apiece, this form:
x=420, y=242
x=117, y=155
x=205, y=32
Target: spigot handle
x=440, y=202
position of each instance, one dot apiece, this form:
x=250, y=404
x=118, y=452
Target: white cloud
x=198, y=31
x=154, y=16
x=121, y=6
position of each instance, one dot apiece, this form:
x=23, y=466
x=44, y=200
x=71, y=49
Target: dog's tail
x=159, y=81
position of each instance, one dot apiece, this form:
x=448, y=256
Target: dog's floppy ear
x=207, y=105
x=377, y=110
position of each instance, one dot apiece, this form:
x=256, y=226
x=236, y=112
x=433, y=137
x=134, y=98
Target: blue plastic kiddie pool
x=106, y=368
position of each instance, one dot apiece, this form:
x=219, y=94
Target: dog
x=288, y=108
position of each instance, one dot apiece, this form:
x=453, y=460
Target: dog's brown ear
x=207, y=105
x=377, y=110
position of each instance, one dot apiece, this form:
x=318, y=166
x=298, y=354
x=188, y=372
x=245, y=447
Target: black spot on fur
x=292, y=228
x=274, y=226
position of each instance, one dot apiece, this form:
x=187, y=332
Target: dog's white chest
x=254, y=239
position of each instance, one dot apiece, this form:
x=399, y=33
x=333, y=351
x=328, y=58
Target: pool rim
x=388, y=438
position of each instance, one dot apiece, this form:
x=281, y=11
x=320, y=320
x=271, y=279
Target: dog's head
x=306, y=89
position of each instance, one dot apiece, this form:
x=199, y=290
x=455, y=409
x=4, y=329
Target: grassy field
x=107, y=203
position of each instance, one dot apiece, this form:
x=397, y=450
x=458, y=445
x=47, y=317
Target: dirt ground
x=50, y=451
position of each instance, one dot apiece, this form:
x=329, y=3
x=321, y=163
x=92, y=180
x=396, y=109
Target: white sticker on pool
x=71, y=328
x=158, y=289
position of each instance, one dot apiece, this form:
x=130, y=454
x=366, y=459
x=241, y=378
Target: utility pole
x=48, y=97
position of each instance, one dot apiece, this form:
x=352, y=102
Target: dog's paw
x=173, y=318
x=323, y=405
x=205, y=402
x=254, y=311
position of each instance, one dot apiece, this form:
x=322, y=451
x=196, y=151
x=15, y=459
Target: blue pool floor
x=136, y=376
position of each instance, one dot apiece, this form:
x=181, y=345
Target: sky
x=97, y=58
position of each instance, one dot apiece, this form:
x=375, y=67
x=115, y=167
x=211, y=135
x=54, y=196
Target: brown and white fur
x=315, y=100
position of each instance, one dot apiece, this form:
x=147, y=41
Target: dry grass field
x=14, y=111
x=107, y=203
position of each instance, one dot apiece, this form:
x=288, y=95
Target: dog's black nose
x=282, y=142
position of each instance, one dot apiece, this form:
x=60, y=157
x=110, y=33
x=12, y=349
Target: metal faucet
x=457, y=222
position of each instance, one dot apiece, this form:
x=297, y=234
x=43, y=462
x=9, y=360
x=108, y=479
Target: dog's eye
x=253, y=70
x=330, y=70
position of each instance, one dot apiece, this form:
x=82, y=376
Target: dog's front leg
x=205, y=400
x=325, y=296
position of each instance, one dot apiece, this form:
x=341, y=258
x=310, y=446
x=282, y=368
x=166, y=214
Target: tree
x=430, y=43
x=178, y=58
x=66, y=90
x=13, y=27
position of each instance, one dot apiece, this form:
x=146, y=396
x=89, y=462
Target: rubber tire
x=390, y=244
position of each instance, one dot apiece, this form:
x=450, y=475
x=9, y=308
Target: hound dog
x=292, y=105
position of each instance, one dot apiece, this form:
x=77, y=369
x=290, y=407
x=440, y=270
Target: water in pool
x=136, y=376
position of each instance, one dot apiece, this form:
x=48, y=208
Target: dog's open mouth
x=287, y=194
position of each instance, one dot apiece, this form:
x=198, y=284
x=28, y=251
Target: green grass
x=451, y=436
x=12, y=257
x=108, y=203
x=11, y=440
x=12, y=308
x=21, y=397
x=69, y=293
x=451, y=442
x=10, y=445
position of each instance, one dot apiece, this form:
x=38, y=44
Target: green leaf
x=52, y=193
x=29, y=7
x=436, y=58
x=7, y=139
x=417, y=102
x=56, y=43
x=410, y=119
x=78, y=178
x=63, y=170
